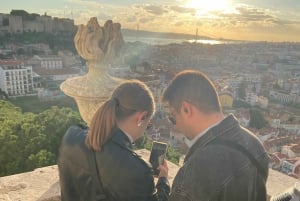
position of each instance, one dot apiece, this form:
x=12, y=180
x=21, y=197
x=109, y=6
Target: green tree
x=132, y=61
x=28, y=140
x=21, y=51
x=240, y=104
x=41, y=159
x=242, y=90
x=143, y=143
x=56, y=122
x=256, y=119
x=291, y=119
x=173, y=155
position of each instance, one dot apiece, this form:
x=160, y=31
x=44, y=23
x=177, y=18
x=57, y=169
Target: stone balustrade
x=42, y=184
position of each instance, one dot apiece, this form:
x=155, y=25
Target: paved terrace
x=42, y=184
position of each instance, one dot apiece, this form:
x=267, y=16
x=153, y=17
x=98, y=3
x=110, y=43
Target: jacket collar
x=224, y=126
x=120, y=138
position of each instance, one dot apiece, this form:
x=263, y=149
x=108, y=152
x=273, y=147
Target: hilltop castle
x=19, y=21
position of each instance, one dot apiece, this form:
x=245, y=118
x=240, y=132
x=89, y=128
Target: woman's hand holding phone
x=163, y=169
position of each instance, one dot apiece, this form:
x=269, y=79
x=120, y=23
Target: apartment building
x=49, y=62
x=283, y=96
x=15, y=78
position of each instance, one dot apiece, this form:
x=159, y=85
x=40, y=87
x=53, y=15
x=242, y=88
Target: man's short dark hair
x=194, y=87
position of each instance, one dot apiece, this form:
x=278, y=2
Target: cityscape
x=257, y=80
x=249, y=76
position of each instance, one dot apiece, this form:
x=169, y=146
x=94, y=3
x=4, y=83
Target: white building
x=15, y=78
x=293, y=128
x=283, y=97
x=251, y=98
x=48, y=62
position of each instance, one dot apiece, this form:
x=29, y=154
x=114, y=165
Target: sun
x=209, y=5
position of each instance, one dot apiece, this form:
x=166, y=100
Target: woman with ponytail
x=99, y=163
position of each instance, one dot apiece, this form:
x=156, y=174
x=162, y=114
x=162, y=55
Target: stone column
x=100, y=46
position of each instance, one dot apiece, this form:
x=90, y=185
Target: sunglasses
x=172, y=119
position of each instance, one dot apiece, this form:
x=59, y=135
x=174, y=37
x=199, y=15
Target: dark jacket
x=217, y=171
x=124, y=175
x=77, y=169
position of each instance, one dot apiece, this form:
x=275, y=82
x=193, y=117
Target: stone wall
x=42, y=184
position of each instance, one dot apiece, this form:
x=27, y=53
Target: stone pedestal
x=100, y=46
x=90, y=91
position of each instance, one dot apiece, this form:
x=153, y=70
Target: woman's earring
x=139, y=124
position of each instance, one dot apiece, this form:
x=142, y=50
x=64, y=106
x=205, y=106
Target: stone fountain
x=99, y=46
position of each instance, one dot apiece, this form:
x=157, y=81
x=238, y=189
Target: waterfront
x=165, y=41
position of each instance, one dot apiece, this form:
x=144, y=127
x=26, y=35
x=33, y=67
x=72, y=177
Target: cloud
x=146, y=19
x=284, y=22
x=131, y=19
x=252, y=14
x=178, y=24
x=245, y=15
x=154, y=9
x=182, y=9
x=238, y=21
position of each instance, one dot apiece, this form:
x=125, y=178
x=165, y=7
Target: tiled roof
x=280, y=155
x=63, y=71
x=11, y=62
x=296, y=148
x=293, y=160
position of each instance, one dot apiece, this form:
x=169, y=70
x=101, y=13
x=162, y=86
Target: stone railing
x=42, y=184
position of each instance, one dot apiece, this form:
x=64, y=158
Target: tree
x=21, y=51
x=240, y=104
x=242, y=90
x=41, y=159
x=143, y=143
x=132, y=61
x=3, y=95
x=29, y=140
x=291, y=119
x=256, y=119
x=56, y=122
x=173, y=155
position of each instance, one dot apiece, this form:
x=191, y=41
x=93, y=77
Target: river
x=165, y=41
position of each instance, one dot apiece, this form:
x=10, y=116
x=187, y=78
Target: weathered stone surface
x=42, y=184
x=279, y=182
x=28, y=186
x=99, y=44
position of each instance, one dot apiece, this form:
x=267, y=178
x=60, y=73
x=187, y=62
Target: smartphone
x=157, y=155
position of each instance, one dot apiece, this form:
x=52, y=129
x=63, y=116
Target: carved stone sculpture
x=100, y=46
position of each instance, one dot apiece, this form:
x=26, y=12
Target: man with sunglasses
x=225, y=161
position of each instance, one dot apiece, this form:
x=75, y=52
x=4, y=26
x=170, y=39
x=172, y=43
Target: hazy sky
x=270, y=20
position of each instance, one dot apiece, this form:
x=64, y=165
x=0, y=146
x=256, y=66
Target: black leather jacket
x=124, y=175
x=219, y=172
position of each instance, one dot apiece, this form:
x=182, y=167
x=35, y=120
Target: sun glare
x=209, y=5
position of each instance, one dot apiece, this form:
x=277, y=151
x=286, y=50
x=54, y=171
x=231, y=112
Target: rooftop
x=63, y=71
x=10, y=62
